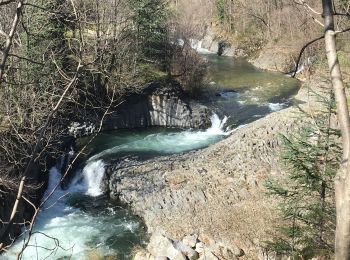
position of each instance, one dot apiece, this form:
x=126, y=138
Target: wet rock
x=159, y=106
x=156, y=105
x=225, y=49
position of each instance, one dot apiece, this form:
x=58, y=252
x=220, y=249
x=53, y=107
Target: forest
x=176, y=116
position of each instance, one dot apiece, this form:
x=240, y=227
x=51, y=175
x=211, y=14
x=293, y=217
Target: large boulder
x=161, y=246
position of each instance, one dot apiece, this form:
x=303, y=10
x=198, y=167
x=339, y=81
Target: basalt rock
x=156, y=105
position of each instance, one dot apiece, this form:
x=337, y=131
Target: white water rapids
x=67, y=228
x=171, y=142
x=65, y=231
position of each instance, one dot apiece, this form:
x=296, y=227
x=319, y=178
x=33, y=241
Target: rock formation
x=156, y=105
x=217, y=193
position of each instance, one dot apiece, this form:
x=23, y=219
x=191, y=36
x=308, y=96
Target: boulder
x=200, y=247
x=186, y=250
x=159, y=105
x=144, y=255
x=161, y=246
x=156, y=105
x=190, y=240
x=208, y=256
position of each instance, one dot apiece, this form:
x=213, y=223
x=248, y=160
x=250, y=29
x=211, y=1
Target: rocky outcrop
x=156, y=105
x=162, y=247
x=283, y=59
x=159, y=106
x=217, y=193
x=272, y=58
x=219, y=46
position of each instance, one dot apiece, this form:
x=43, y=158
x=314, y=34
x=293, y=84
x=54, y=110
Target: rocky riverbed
x=214, y=197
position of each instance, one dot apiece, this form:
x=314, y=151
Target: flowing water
x=78, y=222
x=244, y=93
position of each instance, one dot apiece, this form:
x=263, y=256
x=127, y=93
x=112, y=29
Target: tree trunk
x=342, y=180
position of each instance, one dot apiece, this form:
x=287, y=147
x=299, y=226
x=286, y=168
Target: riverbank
x=216, y=194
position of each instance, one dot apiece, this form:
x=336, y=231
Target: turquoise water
x=81, y=219
x=244, y=93
x=146, y=143
x=79, y=222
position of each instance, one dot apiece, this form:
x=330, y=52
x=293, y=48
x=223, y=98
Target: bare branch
x=5, y=2
x=9, y=40
x=307, y=45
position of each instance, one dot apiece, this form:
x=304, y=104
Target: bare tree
x=92, y=72
x=342, y=180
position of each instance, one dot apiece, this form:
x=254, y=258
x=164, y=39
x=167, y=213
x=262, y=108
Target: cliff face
x=154, y=106
x=159, y=106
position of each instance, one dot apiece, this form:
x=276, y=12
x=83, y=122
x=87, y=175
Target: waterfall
x=76, y=229
x=217, y=126
x=92, y=175
x=197, y=45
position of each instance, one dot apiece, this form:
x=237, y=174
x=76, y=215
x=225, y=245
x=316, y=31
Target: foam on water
x=74, y=230
x=173, y=142
x=276, y=106
x=78, y=231
x=197, y=45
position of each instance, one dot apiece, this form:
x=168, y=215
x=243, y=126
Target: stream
x=79, y=222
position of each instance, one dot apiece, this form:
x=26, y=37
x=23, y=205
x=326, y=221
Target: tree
x=150, y=31
x=342, y=180
x=310, y=157
x=64, y=61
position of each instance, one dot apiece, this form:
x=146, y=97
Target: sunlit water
x=78, y=222
x=156, y=141
x=244, y=93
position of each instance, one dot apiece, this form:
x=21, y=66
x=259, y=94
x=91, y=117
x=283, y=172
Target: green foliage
x=44, y=41
x=150, y=30
x=220, y=10
x=311, y=157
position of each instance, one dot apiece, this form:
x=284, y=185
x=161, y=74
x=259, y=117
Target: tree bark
x=342, y=180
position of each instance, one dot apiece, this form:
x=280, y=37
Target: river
x=79, y=222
